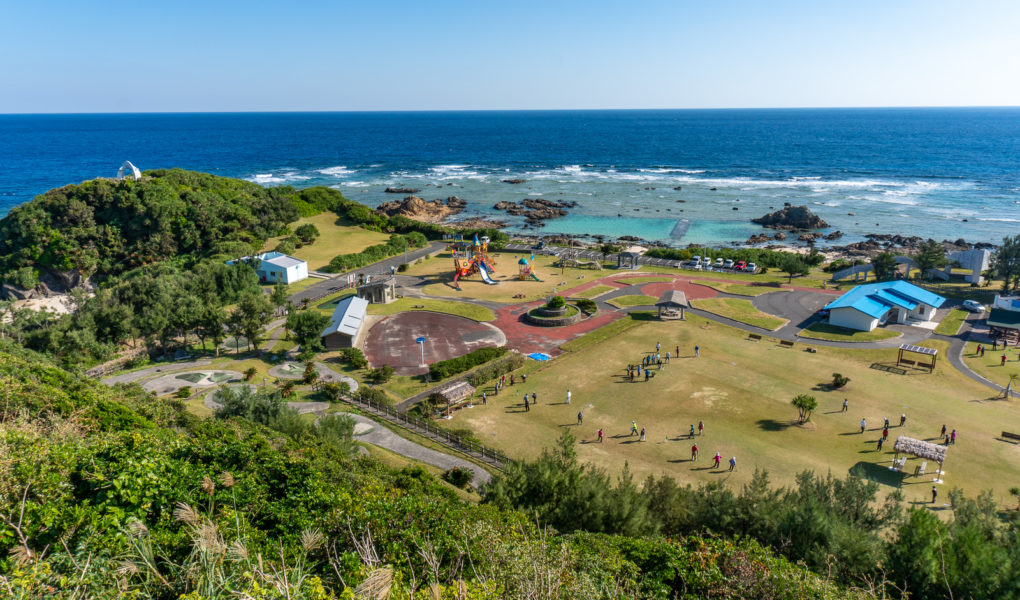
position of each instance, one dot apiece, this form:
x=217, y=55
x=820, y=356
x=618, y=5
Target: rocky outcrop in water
x=402, y=190
x=791, y=218
x=535, y=210
x=514, y=181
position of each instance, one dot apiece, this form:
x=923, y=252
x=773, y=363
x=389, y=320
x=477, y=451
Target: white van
x=729, y=263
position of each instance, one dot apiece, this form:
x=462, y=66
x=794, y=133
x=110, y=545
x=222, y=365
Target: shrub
x=310, y=374
x=496, y=369
x=366, y=394
x=286, y=245
x=587, y=305
x=307, y=233
x=354, y=357
x=250, y=373
x=25, y=278
x=446, y=368
x=458, y=476
x=336, y=391
x=838, y=380
x=381, y=375
x=288, y=389
x=184, y=392
x=556, y=302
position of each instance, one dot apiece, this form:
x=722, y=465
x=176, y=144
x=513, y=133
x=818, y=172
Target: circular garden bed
x=544, y=316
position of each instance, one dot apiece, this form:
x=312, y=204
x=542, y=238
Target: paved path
x=339, y=282
x=169, y=367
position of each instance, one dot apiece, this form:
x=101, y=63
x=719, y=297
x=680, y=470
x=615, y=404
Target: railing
x=430, y=430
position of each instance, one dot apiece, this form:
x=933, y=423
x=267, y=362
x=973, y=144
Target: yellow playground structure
x=470, y=258
x=525, y=270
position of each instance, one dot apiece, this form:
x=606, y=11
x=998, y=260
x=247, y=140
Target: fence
x=429, y=430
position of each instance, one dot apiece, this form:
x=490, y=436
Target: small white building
x=865, y=307
x=274, y=267
x=345, y=325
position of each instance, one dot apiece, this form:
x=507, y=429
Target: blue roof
x=875, y=299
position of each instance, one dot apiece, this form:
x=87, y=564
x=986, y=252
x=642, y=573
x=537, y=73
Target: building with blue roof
x=865, y=307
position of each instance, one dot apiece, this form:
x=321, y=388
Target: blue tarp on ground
x=539, y=356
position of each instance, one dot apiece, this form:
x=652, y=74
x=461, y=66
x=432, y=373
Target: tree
x=279, y=295
x=210, y=323
x=235, y=327
x=931, y=256
x=1007, y=393
x=255, y=313
x=792, y=265
x=307, y=326
x=307, y=233
x=884, y=265
x=1006, y=263
x=805, y=405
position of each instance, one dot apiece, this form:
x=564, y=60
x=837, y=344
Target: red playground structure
x=472, y=258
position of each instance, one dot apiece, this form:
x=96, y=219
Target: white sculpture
x=128, y=169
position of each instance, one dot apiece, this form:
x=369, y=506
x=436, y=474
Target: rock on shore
x=791, y=218
x=535, y=210
x=415, y=208
x=402, y=190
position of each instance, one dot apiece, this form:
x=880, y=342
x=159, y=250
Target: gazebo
x=920, y=449
x=627, y=260
x=672, y=304
x=454, y=393
x=917, y=350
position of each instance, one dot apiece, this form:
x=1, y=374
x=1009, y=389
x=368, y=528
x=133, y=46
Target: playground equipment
x=574, y=263
x=472, y=257
x=525, y=270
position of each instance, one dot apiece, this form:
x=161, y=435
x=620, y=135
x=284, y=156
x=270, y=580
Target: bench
x=754, y=337
x=786, y=343
x=1011, y=436
x=907, y=361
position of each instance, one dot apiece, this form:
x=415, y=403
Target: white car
x=719, y=263
x=707, y=261
x=729, y=263
x=751, y=268
x=973, y=306
x=696, y=259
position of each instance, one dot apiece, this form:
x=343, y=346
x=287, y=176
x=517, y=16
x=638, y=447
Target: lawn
x=990, y=365
x=640, y=280
x=824, y=331
x=594, y=291
x=951, y=324
x=741, y=310
x=334, y=238
x=742, y=391
x=740, y=288
x=450, y=307
x=632, y=300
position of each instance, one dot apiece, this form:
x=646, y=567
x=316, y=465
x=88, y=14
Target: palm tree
x=1009, y=386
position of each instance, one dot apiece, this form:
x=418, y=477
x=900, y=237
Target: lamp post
x=421, y=343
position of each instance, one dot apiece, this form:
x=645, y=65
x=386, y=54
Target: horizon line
x=493, y=110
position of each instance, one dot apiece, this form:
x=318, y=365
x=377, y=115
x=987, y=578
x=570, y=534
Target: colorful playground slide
x=534, y=277
x=485, y=274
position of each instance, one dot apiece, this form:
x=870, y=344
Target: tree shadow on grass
x=879, y=474
x=773, y=425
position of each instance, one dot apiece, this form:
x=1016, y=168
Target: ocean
x=675, y=176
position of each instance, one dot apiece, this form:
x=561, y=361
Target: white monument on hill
x=128, y=169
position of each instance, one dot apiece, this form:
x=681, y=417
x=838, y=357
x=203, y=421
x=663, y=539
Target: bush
x=381, y=375
x=370, y=394
x=184, y=392
x=250, y=373
x=354, y=357
x=336, y=391
x=556, y=302
x=307, y=233
x=458, y=476
x=25, y=278
x=838, y=380
x=496, y=369
x=310, y=374
x=587, y=305
x=286, y=245
x=446, y=368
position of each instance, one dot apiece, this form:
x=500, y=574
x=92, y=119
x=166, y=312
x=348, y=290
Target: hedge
x=496, y=369
x=446, y=368
x=396, y=245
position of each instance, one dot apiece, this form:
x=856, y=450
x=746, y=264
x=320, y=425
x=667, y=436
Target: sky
x=224, y=55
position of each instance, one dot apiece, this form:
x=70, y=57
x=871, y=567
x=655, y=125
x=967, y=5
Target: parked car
x=696, y=259
x=707, y=261
x=729, y=263
x=741, y=265
x=698, y=267
x=719, y=262
x=752, y=267
x=973, y=306
x=539, y=246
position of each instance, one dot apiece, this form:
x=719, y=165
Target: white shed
x=344, y=327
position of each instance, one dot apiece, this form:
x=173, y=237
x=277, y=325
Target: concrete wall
x=337, y=341
x=851, y=318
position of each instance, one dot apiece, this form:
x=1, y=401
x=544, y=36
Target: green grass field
x=824, y=331
x=450, y=307
x=739, y=288
x=741, y=310
x=632, y=300
x=951, y=324
x=334, y=238
x=990, y=365
x=594, y=291
x=742, y=391
x=642, y=280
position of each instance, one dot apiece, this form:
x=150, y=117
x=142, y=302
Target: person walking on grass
x=733, y=462
x=667, y=358
x=484, y=399
x=880, y=442
x=527, y=405
x=691, y=433
x=642, y=434
x=633, y=428
x=658, y=347
x=885, y=433
x=568, y=397
x=952, y=437
x=677, y=353
x=524, y=378
x=580, y=418
x=701, y=427
x=943, y=434
x=1003, y=363
x=600, y=436
x=886, y=423
x=697, y=351
x=934, y=494
x=511, y=379
x=846, y=405
x=694, y=451
x=534, y=398
x=903, y=419
x=717, y=459
x=647, y=374
x=864, y=425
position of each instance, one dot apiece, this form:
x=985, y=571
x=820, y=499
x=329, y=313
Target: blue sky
x=96, y=56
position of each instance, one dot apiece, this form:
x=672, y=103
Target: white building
x=865, y=307
x=276, y=267
x=344, y=327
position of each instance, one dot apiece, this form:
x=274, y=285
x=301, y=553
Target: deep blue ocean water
x=941, y=173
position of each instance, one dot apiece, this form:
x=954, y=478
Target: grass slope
x=739, y=310
x=335, y=237
x=632, y=300
x=824, y=331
